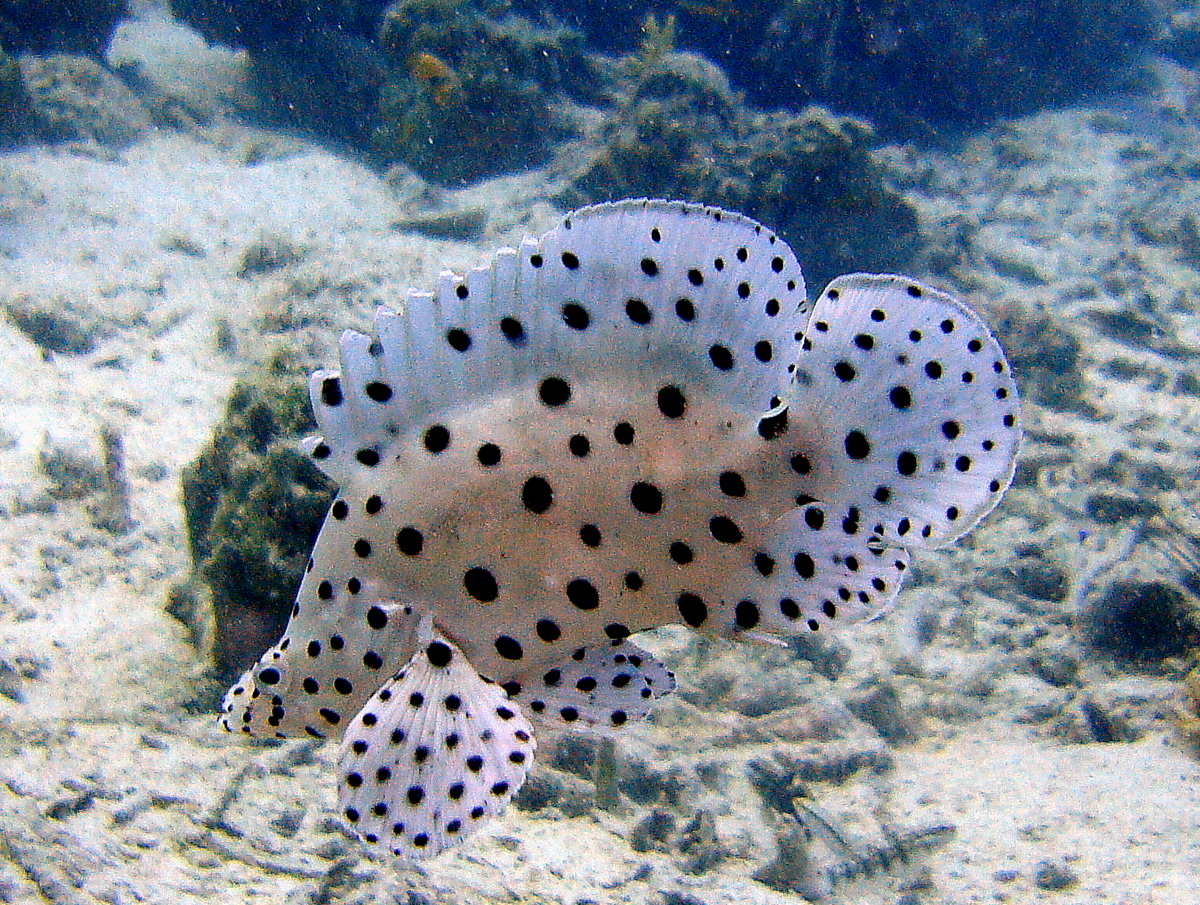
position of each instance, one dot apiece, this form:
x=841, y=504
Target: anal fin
x=432, y=754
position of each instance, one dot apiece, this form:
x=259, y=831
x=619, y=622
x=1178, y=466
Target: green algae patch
x=471, y=96
x=680, y=131
x=254, y=504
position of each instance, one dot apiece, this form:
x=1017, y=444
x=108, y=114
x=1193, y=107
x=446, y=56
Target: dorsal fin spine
x=599, y=259
x=392, y=333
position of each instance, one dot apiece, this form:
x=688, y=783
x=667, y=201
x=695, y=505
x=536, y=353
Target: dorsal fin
x=637, y=286
x=919, y=402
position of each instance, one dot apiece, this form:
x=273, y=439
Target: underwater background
x=198, y=196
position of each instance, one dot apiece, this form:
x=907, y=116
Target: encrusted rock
x=76, y=98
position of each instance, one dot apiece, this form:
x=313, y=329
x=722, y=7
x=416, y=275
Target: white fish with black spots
x=637, y=419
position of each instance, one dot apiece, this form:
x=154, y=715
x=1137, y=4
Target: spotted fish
x=637, y=419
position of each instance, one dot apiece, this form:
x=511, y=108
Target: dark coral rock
x=254, y=504
x=471, y=95
x=58, y=26
x=913, y=66
x=551, y=55
x=1037, y=577
x=73, y=474
x=1141, y=622
x=462, y=130
x=829, y=657
x=315, y=64
x=1055, y=667
x=549, y=788
x=17, y=118
x=793, y=869
x=52, y=328
x=266, y=255
x=775, y=782
x=576, y=754
x=653, y=832
x=681, y=132
x=1114, y=509
x=812, y=177
x=645, y=783
x=1045, y=356
x=876, y=702
x=77, y=99
x=1054, y=876
x=834, y=761
x=456, y=90
x=700, y=845
x=458, y=225
x=680, y=143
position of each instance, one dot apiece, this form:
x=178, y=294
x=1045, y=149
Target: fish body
x=637, y=419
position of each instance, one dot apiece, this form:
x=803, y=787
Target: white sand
x=1122, y=817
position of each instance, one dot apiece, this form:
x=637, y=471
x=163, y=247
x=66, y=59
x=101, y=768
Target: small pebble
x=653, y=832
x=1053, y=876
x=66, y=807
x=53, y=330
x=288, y=823
x=672, y=897
x=153, y=742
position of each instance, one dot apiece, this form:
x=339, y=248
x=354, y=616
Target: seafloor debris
x=53, y=328
x=816, y=859
x=1187, y=716
x=680, y=131
x=111, y=510
x=267, y=254
x=75, y=474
